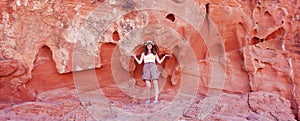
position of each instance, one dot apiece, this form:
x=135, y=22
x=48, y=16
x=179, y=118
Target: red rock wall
x=261, y=40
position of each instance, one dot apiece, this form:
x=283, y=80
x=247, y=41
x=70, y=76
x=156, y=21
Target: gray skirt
x=150, y=71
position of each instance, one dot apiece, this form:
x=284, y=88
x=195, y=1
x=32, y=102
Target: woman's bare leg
x=148, y=87
x=155, y=83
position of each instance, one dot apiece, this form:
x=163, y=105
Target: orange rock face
x=70, y=60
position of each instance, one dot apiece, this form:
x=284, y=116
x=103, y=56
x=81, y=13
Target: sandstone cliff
x=56, y=55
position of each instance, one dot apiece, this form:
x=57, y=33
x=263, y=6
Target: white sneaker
x=148, y=101
x=155, y=101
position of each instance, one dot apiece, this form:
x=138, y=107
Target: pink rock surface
x=252, y=106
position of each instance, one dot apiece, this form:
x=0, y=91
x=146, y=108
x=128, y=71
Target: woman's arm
x=158, y=60
x=141, y=59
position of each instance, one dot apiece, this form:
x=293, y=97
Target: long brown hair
x=153, y=50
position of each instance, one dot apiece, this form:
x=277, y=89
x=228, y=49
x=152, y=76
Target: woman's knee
x=148, y=84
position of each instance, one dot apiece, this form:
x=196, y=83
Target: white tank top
x=149, y=58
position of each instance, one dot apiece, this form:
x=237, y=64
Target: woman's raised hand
x=167, y=55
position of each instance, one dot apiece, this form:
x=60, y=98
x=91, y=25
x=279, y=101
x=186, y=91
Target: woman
x=150, y=72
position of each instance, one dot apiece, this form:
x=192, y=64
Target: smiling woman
x=150, y=72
